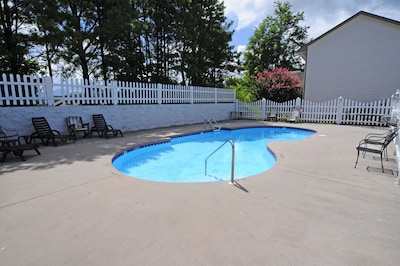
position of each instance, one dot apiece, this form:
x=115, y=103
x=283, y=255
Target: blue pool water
x=183, y=158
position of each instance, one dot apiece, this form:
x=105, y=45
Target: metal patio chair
x=380, y=141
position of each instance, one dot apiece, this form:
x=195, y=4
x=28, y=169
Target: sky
x=319, y=15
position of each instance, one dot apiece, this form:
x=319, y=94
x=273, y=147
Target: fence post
x=396, y=100
x=159, y=93
x=114, y=92
x=191, y=88
x=339, y=112
x=263, y=105
x=48, y=87
x=298, y=103
x=215, y=95
x=395, y=104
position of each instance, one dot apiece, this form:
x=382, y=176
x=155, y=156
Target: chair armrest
x=8, y=143
x=365, y=142
x=56, y=132
x=13, y=134
x=27, y=139
x=376, y=135
x=375, y=138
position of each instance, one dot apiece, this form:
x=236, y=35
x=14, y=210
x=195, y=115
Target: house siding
x=359, y=60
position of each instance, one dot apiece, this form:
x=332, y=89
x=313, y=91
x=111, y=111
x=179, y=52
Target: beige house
x=358, y=59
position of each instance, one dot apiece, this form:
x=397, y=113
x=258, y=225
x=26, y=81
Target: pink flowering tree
x=278, y=85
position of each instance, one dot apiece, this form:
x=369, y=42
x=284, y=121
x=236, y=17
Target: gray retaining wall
x=124, y=117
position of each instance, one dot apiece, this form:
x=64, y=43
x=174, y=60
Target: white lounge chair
x=295, y=117
x=273, y=115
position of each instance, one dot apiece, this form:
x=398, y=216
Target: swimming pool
x=183, y=158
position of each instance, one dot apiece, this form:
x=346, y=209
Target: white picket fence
x=35, y=90
x=339, y=111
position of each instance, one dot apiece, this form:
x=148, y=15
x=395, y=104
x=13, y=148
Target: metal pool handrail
x=212, y=123
x=233, y=159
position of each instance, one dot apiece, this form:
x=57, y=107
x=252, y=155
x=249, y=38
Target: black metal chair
x=102, y=128
x=381, y=141
x=390, y=121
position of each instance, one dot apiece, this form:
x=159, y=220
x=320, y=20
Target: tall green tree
x=205, y=51
x=185, y=41
x=16, y=38
x=276, y=40
x=116, y=38
x=78, y=21
x=126, y=55
x=135, y=40
x=47, y=38
x=93, y=37
x=159, y=20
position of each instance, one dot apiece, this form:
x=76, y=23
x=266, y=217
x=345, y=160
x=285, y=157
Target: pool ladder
x=233, y=159
x=212, y=124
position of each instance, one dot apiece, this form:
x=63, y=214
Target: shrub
x=278, y=85
x=244, y=87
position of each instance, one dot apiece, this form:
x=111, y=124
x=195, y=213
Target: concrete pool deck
x=69, y=206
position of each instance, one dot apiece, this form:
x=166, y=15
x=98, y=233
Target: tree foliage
x=244, y=87
x=15, y=40
x=278, y=85
x=148, y=40
x=270, y=57
x=204, y=50
x=276, y=40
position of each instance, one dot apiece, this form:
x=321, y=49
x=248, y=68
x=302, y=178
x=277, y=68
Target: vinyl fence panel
x=35, y=90
x=340, y=111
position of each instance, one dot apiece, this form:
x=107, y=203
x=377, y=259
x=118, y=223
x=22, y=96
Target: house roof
x=303, y=50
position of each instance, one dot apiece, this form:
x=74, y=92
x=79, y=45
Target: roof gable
x=303, y=49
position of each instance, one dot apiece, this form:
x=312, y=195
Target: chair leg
x=382, y=164
x=3, y=159
x=54, y=142
x=19, y=154
x=44, y=142
x=358, y=155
